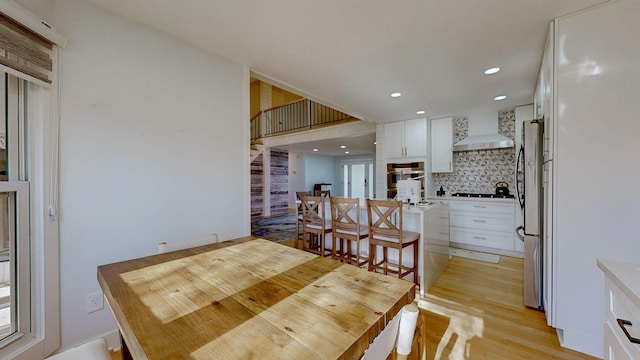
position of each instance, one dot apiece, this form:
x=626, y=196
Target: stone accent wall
x=257, y=186
x=478, y=171
x=279, y=182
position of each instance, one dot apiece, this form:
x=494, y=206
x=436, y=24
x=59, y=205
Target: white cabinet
x=483, y=225
x=406, y=139
x=442, y=145
x=622, y=296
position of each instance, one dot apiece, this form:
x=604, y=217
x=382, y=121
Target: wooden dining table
x=248, y=298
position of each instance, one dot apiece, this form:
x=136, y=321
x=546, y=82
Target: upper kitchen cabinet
x=442, y=145
x=406, y=139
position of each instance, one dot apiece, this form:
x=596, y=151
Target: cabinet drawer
x=614, y=348
x=493, y=239
x=483, y=207
x=619, y=306
x=500, y=222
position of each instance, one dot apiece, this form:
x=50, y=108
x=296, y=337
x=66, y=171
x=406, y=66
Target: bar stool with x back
x=347, y=231
x=385, y=230
x=299, y=195
x=315, y=225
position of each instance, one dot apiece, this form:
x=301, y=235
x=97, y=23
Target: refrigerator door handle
x=520, y=236
x=518, y=195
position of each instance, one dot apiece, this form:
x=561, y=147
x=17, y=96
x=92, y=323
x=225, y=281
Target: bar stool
x=314, y=225
x=299, y=195
x=346, y=230
x=383, y=215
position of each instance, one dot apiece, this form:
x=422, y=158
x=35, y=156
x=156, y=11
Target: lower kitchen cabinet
x=483, y=225
x=622, y=296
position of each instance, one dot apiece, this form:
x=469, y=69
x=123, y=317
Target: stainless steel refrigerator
x=529, y=194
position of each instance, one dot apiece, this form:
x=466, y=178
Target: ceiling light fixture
x=343, y=146
x=500, y=97
x=315, y=149
x=491, y=71
x=346, y=152
x=375, y=143
x=420, y=112
x=396, y=94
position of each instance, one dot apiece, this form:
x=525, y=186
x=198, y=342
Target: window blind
x=25, y=51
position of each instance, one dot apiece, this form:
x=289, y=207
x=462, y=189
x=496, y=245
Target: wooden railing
x=298, y=115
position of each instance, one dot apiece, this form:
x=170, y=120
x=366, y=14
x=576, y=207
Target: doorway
x=358, y=178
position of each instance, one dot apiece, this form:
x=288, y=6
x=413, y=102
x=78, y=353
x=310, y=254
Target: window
x=29, y=277
x=15, y=297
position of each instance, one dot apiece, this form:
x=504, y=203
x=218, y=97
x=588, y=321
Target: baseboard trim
x=581, y=343
x=113, y=340
x=476, y=255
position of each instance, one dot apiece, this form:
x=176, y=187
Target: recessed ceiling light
x=396, y=94
x=500, y=97
x=315, y=149
x=420, y=112
x=346, y=152
x=343, y=146
x=492, y=70
x=375, y=143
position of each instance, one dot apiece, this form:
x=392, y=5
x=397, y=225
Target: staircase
x=257, y=147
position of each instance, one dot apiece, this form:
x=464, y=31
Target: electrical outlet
x=95, y=302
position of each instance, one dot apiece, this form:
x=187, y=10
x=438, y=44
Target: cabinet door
x=415, y=137
x=394, y=139
x=441, y=145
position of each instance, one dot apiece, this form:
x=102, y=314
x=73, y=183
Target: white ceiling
x=355, y=145
x=351, y=54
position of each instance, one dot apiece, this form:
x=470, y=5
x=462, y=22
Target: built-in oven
x=403, y=171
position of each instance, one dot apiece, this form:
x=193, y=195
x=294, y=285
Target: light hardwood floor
x=475, y=311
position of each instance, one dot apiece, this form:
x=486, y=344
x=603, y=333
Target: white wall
x=296, y=176
x=154, y=146
x=319, y=169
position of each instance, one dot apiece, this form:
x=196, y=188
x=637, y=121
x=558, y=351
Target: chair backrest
x=164, y=247
x=323, y=193
x=299, y=195
x=313, y=211
x=340, y=218
x=385, y=219
x=399, y=332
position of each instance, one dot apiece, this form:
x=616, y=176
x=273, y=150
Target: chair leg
x=416, y=254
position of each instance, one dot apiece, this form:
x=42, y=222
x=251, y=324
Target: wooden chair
x=323, y=193
x=383, y=215
x=164, y=246
x=299, y=195
x=314, y=225
x=346, y=230
x=398, y=333
x=96, y=350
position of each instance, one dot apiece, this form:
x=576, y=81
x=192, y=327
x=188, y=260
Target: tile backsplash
x=478, y=171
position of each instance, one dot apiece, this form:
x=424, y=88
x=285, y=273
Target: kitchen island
x=432, y=222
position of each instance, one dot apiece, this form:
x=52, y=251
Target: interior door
x=357, y=180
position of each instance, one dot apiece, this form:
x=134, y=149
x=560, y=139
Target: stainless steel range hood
x=483, y=134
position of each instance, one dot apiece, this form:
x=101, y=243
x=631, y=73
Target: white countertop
x=419, y=209
x=461, y=198
x=625, y=275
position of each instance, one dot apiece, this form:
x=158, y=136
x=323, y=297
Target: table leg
x=124, y=350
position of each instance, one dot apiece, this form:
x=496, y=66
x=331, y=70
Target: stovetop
x=490, y=196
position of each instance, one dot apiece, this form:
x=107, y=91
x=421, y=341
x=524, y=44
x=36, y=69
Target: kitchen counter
x=625, y=275
x=461, y=198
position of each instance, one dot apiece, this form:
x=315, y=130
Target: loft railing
x=295, y=116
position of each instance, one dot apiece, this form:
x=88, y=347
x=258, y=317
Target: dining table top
x=248, y=298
